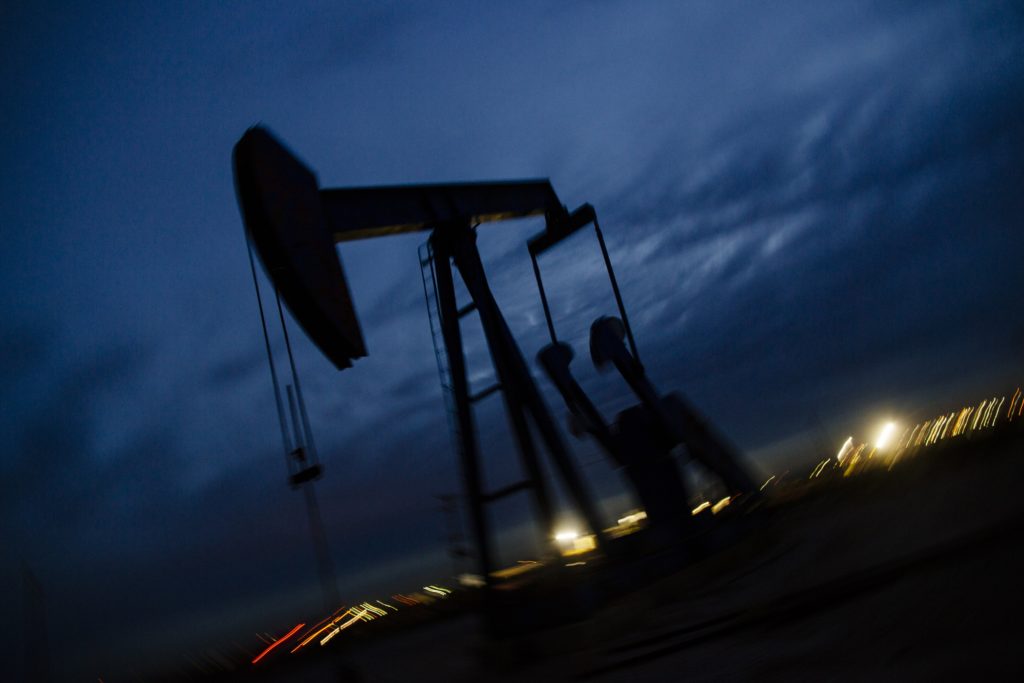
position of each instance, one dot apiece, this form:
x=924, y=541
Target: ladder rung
x=484, y=393
x=467, y=309
x=302, y=476
x=508, y=490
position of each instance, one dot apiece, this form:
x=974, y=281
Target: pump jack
x=295, y=225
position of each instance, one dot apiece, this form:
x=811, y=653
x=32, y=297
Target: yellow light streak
x=306, y=640
x=720, y=505
x=883, y=437
x=341, y=628
x=376, y=610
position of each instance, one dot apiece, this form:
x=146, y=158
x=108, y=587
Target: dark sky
x=814, y=209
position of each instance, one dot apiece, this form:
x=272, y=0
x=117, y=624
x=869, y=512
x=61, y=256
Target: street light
x=885, y=435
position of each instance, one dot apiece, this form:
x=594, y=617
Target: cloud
x=809, y=207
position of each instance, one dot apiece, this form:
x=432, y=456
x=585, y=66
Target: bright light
x=633, y=518
x=717, y=507
x=471, y=580
x=277, y=642
x=845, y=449
x=567, y=536
x=883, y=436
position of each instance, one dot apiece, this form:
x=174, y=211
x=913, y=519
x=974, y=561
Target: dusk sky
x=814, y=211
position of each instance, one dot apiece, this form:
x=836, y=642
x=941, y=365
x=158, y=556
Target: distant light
x=355, y=617
x=633, y=517
x=374, y=610
x=405, y=600
x=845, y=449
x=566, y=535
x=327, y=623
x=278, y=642
x=471, y=580
x=820, y=468
x=883, y=436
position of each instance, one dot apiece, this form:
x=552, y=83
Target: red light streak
x=277, y=642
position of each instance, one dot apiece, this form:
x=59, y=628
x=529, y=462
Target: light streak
x=910, y=441
x=920, y=434
x=306, y=640
x=376, y=610
x=405, y=600
x=977, y=415
x=817, y=470
x=947, y=425
x=717, y=507
x=278, y=642
x=700, y=508
x=766, y=482
x=883, y=437
x=633, y=517
x=900, y=445
x=341, y=628
x=1013, y=404
x=844, y=449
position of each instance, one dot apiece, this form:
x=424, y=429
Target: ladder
x=533, y=481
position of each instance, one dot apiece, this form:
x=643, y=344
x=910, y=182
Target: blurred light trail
x=766, y=482
x=845, y=449
x=405, y=600
x=821, y=466
x=278, y=642
x=633, y=517
x=341, y=628
x=375, y=610
x=717, y=507
x=883, y=437
x=700, y=508
x=331, y=621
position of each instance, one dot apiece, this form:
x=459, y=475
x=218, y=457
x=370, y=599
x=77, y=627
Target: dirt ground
x=908, y=574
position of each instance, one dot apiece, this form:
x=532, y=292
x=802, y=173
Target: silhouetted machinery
x=642, y=438
x=294, y=225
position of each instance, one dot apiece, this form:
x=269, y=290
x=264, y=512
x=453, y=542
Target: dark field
x=904, y=574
